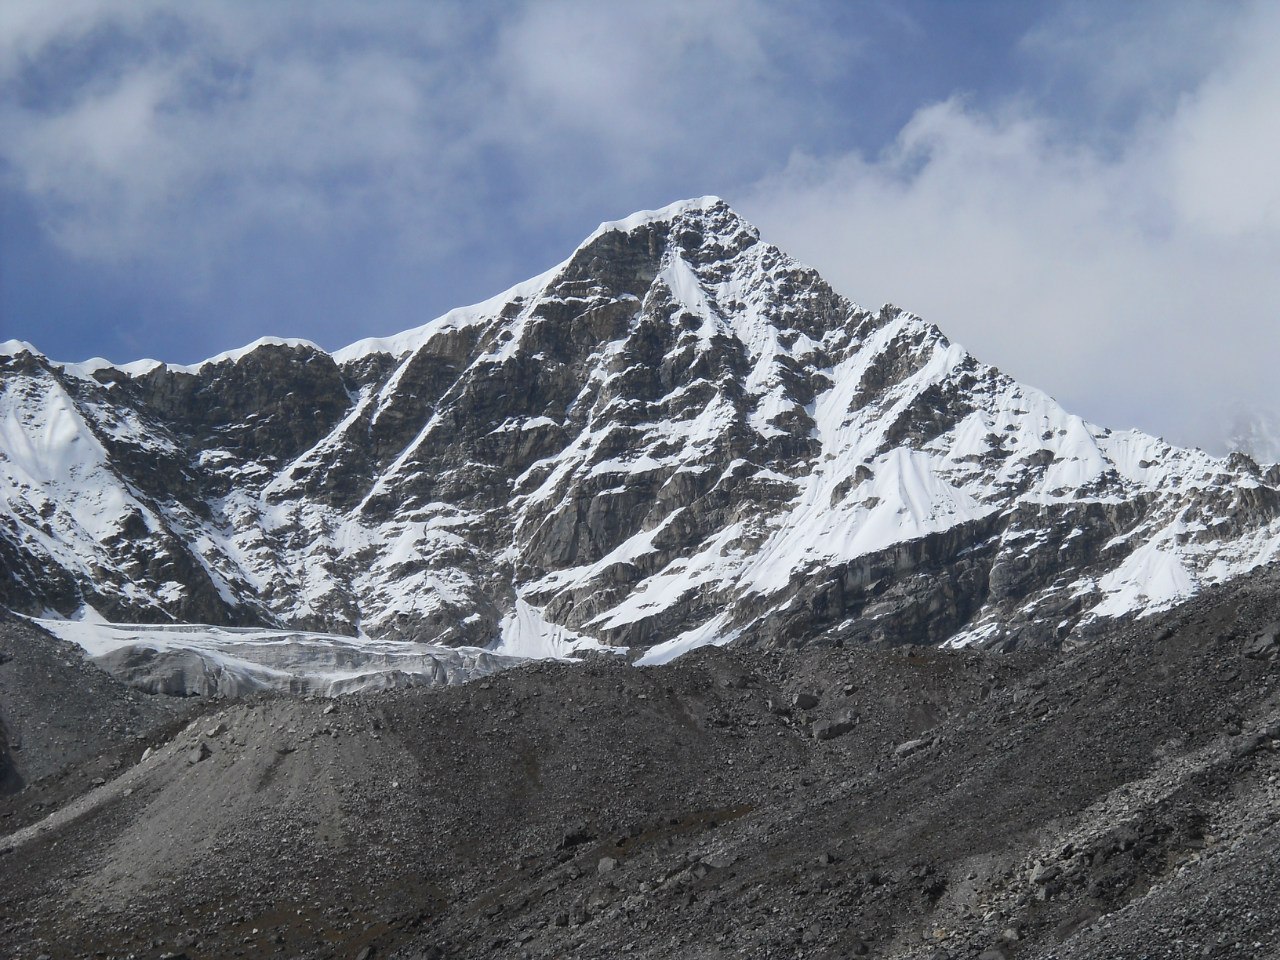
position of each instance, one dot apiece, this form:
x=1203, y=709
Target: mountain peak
x=670, y=213
x=691, y=223
x=15, y=348
x=612, y=249
x=679, y=435
x=1255, y=432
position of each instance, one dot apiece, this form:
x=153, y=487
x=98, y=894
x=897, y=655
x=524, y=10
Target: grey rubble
x=59, y=710
x=551, y=429
x=1117, y=800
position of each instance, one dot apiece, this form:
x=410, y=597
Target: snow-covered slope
x=677, y=436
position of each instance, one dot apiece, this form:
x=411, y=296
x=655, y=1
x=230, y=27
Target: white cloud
x=601, y=100
x=1135, y=280
x=148, y=130
x=627, y=73
x=178, y=129
x=1122, y=57
x=1225, y=138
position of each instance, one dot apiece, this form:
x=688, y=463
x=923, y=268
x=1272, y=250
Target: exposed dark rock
x=1266, y=644
x=804, y=700
x=837, y=727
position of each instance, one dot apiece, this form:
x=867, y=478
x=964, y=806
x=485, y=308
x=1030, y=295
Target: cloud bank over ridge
x=1133, y=275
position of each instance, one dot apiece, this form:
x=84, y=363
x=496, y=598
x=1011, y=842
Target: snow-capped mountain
x=677, y=436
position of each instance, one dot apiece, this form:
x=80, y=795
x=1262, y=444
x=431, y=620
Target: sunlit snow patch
x=711, y=633
x=1151, y=579
x=527, y=634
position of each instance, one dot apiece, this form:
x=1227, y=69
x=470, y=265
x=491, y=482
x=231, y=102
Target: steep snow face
x=677, y=436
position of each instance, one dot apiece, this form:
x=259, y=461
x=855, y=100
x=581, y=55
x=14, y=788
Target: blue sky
x=1081, y=193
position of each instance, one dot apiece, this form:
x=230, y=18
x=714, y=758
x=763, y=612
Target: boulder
x=835, y=727
x=1265, y=645
x=912, y=746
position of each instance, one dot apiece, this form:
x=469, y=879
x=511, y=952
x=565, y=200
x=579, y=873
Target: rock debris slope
x=57, y=710
x=1119, y=800
x=677, y=436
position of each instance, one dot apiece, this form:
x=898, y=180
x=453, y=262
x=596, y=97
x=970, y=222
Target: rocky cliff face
x=677, y=436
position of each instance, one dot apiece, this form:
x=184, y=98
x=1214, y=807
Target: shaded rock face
x=677, y=436
x=266, y=407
